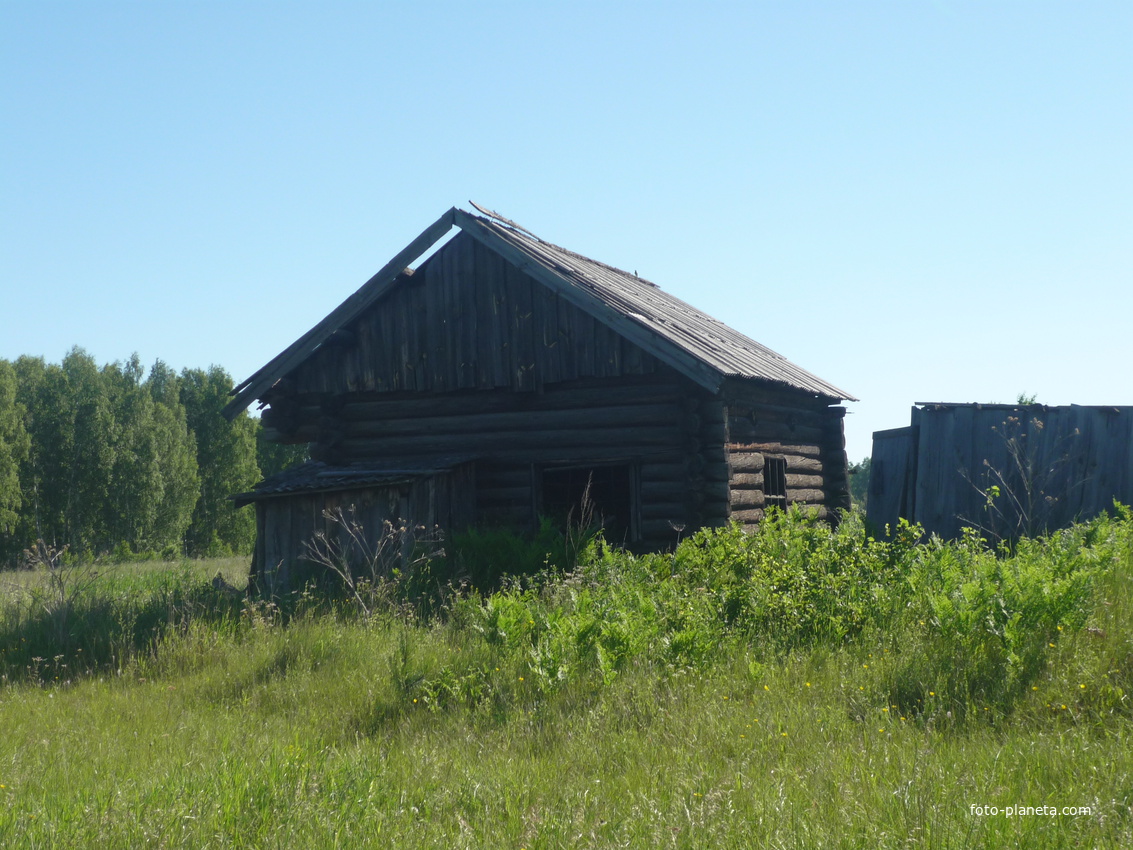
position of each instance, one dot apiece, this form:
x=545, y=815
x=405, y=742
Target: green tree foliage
x=859, y=482
x=105, y=459
x=90, y=461
x=154, y=479
x=40, y=389
x=14, y=447
x=226, y=458
x=177, y=450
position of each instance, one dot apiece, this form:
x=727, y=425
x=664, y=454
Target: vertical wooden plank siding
x=1060, y=464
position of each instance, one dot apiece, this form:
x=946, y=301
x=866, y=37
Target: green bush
x=981, y=624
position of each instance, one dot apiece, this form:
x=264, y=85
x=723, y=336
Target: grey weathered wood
x=747, y=499
x=803, y=495
x=777, y=448
x=366, y=295
x=645, y=415
x=659, y=348
x=746, y=462
x=484, y=353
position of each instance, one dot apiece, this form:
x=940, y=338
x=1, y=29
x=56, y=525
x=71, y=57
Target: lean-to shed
x=1007, y=469
x=505, y=375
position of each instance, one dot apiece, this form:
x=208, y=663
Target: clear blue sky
x=921, y=200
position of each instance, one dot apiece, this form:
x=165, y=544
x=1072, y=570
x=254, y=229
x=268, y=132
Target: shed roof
x=689, y=340
x=318, y=477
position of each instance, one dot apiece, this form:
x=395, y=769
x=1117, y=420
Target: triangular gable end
x=373, y=289
x=706, y=353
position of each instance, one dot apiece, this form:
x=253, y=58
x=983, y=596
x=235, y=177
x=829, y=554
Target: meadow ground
x=632, y=703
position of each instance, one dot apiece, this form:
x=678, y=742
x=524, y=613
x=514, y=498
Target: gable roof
x=692, y=342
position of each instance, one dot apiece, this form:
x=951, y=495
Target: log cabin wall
x=668, y=431
x=783, y=447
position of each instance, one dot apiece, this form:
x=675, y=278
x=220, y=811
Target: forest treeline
x=110, y=460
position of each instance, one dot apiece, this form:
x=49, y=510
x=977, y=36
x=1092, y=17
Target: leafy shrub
x=981, y=623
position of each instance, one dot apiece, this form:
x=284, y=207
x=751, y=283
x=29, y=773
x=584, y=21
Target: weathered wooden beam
x=460, y=422
x=629, y=439
x=804, y=481
x=674, y=510
x=373, y=289
x=782, y=449
x=743, y=499
x=748, y=515
x=674, y=490
x=497, y=401
x=744, y=431
x=804, y=495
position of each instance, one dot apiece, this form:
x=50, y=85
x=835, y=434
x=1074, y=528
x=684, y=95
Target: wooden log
x=713, y=434
x=804, y=481
x=642, y=415
x=714, y=454
x=782, y=449
x=740, y=412
x=630, y=440
x=664, y=471
x=553, y=398
x=742, y=463
x=807, y=465
x=747, y=499
x=546, y=454
x=808, y=496
x=664, y=491
x=746, y=480
x=748, y=515
x=766, y=431
x=741, y=391
x=712, y=411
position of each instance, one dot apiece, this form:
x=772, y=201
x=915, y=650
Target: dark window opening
x=775, y=482
x=599, y=496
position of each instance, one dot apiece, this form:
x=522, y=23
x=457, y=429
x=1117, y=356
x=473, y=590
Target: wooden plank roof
x=694, y=343
x=318, y=477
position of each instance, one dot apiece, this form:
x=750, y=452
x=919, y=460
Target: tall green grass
x=799, y=687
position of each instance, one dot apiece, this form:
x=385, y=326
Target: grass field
x=633, y=703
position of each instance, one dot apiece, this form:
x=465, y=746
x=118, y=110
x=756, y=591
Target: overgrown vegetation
x=799, y=686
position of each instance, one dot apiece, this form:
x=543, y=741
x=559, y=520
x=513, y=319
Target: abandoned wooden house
x=1005, y=469
x=504, y=376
